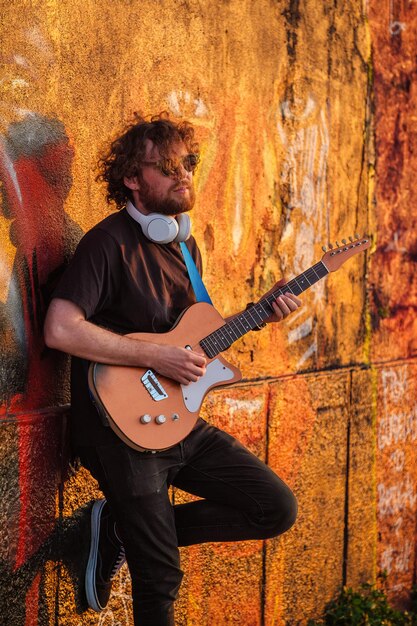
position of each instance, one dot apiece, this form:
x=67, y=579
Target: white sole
x=90, y=572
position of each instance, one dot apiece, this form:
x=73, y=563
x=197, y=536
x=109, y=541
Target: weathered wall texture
x=393, y=289
x=306, y=116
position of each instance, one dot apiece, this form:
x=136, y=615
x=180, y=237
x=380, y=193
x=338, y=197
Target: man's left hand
x=284, y=305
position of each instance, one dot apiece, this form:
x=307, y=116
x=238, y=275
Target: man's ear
x=131, y=183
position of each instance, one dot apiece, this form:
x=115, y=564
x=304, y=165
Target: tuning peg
x=351, y=239
x=331, y=246
x=337, y=244
x=357, y=236
x=324, y=248
x=344, y=241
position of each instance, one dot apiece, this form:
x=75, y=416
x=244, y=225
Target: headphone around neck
x=161, y=228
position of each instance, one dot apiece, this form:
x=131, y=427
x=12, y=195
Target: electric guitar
x=151, y=412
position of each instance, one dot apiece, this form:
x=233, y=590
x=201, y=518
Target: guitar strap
x=200, y=290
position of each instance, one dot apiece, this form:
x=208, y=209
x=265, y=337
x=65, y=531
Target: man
x=122, y=281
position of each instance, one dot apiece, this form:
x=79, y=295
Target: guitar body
x=152, y=412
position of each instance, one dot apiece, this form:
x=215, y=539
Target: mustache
x=181, y=186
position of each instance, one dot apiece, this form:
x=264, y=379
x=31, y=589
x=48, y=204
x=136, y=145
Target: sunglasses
x=169, y=167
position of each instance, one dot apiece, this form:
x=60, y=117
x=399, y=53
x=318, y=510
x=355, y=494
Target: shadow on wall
x=66, y=547
x=35, y=179
x=35, y=174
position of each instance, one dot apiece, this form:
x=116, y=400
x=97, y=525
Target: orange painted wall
x=306, y=117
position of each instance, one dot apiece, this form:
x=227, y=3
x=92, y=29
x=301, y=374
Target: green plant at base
x=367, y=607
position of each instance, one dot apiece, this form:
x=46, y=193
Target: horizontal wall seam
x=33, y=415
x=329, y=371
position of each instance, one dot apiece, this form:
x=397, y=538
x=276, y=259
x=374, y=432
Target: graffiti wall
x=305, y=112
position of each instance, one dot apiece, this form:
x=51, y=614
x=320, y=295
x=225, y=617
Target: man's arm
x=66, y=329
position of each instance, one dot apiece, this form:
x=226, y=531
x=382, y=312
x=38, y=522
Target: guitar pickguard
x=193, y=393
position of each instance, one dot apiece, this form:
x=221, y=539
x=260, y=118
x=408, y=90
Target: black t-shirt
x=125, y=283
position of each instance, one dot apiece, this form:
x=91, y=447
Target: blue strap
x=200, y=291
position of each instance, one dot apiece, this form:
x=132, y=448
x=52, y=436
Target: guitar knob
x=175, y=417
x=145, y=419
x=160, y=419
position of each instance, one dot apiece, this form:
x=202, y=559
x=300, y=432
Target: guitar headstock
x=337, y=255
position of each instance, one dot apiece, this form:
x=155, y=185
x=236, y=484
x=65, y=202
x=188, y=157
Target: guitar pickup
x=153, y=386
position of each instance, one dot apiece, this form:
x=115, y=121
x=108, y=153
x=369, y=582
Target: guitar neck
x=255, y=315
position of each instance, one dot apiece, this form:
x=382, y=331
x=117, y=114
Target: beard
x=165, y=206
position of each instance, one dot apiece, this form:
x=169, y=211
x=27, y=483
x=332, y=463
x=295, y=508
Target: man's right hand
x=182, y=365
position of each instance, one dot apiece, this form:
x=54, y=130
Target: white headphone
x=161, y=228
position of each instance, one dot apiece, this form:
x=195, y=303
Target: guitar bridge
x=153, y=386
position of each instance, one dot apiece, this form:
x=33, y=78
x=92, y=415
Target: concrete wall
x=306, y=116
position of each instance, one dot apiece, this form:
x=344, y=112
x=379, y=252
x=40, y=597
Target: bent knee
x=283, y=517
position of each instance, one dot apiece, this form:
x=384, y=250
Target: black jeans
x=243, y=499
